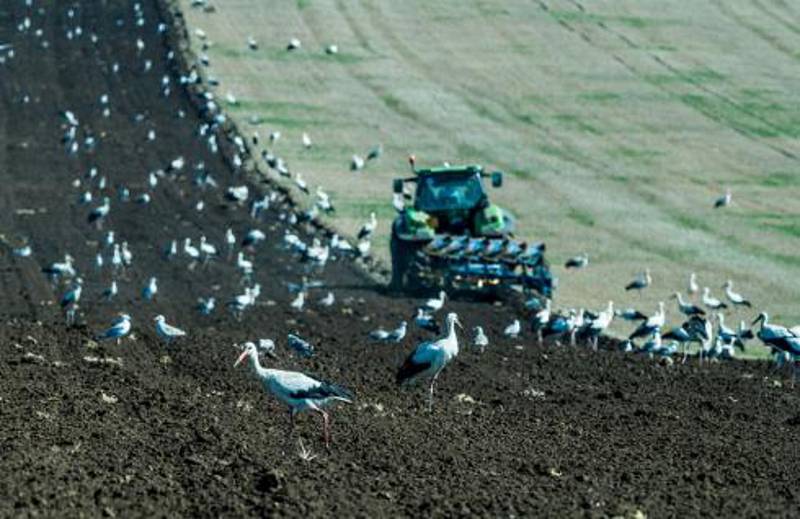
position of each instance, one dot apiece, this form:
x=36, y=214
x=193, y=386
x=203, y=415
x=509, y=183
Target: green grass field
x=618, y=122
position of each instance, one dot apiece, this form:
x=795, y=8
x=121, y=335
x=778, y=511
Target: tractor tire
x=404, y=264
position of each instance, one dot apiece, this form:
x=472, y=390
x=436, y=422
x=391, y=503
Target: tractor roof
x=450, y=170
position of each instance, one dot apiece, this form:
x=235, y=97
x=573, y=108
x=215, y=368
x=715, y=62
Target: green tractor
x=453, y=237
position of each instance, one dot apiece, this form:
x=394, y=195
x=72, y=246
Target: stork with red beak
x=298, y=391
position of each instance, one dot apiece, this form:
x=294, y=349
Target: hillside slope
x=619, y=122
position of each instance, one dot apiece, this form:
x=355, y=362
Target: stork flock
x=241, y=250
x=105, y=276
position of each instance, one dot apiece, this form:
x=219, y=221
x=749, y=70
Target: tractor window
x=449, y=192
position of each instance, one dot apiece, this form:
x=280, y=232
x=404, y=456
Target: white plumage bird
x=480, y=340
x=230, y=240
x=328, y=300
x=206, y=306
x=435, y=304
x=190, y=250
x=724, y=200
x=368, y=228
x=166, y=331
x=297, y=391
x=150, y=290
x=541, y=319
x=99, y=213
x=712, y=302
x=429, y=358
x=206, y=249
x=652, y=325
x=735, y=298
x=299, y=302
x=356, y=163
x=687, y=308
x=120, y=327
x=513, y=329
x=599, y=325
x=253, y=238
x=693, y=286
x=111, y=291
x=642, y=281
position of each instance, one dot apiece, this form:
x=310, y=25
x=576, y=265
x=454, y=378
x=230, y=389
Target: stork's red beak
x=241, y=358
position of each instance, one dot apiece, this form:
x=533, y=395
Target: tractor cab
x=453, y=200
x=453, y=236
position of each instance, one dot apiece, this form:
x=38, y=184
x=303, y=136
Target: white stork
x=429, y=358
x=298, y=391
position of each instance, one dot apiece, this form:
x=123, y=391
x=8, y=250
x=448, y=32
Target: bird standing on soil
x=642, y=281
x=208, y=250
x=60, y=269
x=268, y=347
x=298, y=391
x=300, y=346
x=378, y=335
x=69, y=302
x=230, y=241
x=190, y=250
x=773, y=334
x=22, y=252
x=724, y=200
x=652, y=325
x=356, y=163
x=687, y=309
x=368, y=228
x=396, y=336
x=111, y=291
x=150, y=290
x=375, y=152
x=170, y=250
x=328, y=300
x=301, y=184
x=426, y=321
x=693, y=286
x=541, y=319
x=733, y=297
x=577, y=262
x=435, y=304
x=166, y=331
x=99, y=213
x=712, y=302
x=593, y=329
x=561, y=325
x=120, y=327
x=513, y=329
x=253, y=238
x=693, y=330
x=479, y=340
x=294, y=44
x=727, y=335
x=783, y=341
x=206, y=306
x=630, y=314
x=299, y=302
x=429, y=358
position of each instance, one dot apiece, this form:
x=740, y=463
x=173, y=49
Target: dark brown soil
x=176, y=431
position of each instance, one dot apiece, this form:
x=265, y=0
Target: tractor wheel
x=404, y=264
